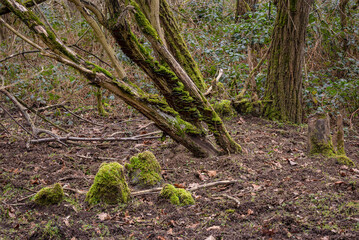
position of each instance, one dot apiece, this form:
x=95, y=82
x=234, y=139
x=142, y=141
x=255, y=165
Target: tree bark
x=283, y=88
x=178, y=47
x=243, y=6
x=319, y=137
x=183, y=108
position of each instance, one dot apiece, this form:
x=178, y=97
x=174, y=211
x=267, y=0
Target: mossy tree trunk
x=243, y=6
x=283, y=88
x=182, y=109
x=177, y=46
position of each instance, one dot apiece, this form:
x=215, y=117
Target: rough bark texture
x=283, y=91
x=184, y=107
x=243, y=6
x=178, y=88
x=319, y=138
x=177, y=45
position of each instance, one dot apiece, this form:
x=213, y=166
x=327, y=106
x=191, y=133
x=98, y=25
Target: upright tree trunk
x=243, y=6
x=283, y=89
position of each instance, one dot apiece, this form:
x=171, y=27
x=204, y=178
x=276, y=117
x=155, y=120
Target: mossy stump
x=144, y=170
x=50, y=195
x=109, y=186
x=320, y=140
x=177, y=196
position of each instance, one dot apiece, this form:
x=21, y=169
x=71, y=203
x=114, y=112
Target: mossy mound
x=246, y=106
x=177, y=196
x=224, y=108
x=144, y=169
x=49, y=195
x=344, y=160
x=109, y=186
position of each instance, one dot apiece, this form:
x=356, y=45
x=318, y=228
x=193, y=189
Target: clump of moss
x=344, y=160
x=50, y=195
x=144, y=169
x=109, y=186
x=224, y=108
x=177, y=196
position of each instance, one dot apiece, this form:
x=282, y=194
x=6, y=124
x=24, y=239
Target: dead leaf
x=256, y=187
x=179, y=185
x=98, y=231
x=200, y=176
x=12, y=215
x=161, y=238
x=104, y=216
x=73, y=238
x=170, y=231
x=292, y=163
x=193, y=226
x=193, y=185
x=214, y=228
x=250, y=212
x=210, y=238
x=212, y=173
x=355, y=170
x=241, y=121
x=66, y=221
x=338, y=182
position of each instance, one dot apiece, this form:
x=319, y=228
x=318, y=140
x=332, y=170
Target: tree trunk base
x=320, y=140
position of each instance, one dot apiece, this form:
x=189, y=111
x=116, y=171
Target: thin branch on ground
x=78, y=116
x=42, y=117
x=232, y=198
x=212, y=184
x=98, y=139
x=8, y=113
x=35, y=131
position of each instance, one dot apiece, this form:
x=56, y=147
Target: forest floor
x=281, y=193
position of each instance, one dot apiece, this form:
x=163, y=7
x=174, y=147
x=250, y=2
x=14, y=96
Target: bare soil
x=281, y=193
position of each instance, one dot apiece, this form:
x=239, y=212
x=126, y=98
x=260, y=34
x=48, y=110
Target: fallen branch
x=98, y=139
x=232, y=198
x=35, y=131
x=212, y=184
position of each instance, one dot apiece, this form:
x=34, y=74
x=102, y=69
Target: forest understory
x=281, y=193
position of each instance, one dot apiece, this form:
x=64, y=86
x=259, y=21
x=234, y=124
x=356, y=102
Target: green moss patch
x=109, y=186
x=50, y=195
x=144, y=169
x=224, y=108
x=177, y=196
x=344, y=160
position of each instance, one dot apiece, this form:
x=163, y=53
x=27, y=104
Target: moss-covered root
x=109, y=186
x=144, y=169
x=224, y=108
x=177, y=196
x=50, y=195
x=344, y=160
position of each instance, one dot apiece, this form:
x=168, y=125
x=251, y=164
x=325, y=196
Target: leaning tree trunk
x=283, y=88
x=183, y=108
